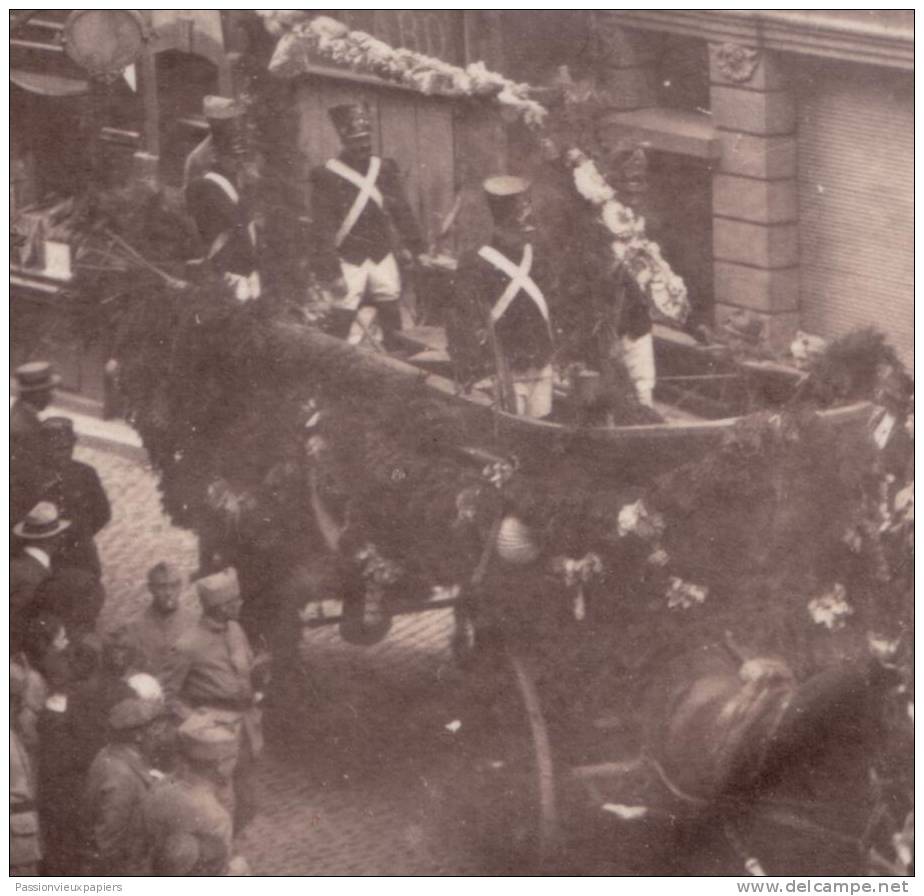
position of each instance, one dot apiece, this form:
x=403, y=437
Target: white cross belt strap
x=519, y=279
x=367, y=190
x=228, y=189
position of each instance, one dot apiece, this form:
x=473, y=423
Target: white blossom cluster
x=666, y=292
x=682, y=595
x=637, y=519
x=303, y=41
x=831, y=608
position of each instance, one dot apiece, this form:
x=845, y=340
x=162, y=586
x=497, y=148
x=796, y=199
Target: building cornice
x=817, y=33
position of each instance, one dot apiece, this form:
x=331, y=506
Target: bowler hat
x=203, y=738
x=351, y=119
x=36, y=376
x=219, y=588
x=43, y=521
x=133, y=712
x=59, y=429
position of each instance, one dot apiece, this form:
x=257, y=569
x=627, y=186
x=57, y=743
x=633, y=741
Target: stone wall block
x=760, y=245
x=760, y=201
x=750, y=112
x=769, y=158
x=768, y=291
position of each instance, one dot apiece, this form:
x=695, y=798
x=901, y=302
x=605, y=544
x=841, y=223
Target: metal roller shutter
x=856, y=198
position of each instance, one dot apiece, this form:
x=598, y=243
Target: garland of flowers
x=302, y=37
x=665, y=291
x=326, y=38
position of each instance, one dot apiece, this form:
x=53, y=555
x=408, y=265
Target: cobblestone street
x=348, y=782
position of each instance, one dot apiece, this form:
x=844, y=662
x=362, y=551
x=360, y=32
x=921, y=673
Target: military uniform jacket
x=116, y=786
x=371, y=237
x=177, y=807
x=210, y=669
x=522, y=332
x=224, y=224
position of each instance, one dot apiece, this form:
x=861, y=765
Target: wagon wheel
x=499, y=798
x=542, y=753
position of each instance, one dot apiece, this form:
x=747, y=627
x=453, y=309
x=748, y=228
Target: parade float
x=669, y=626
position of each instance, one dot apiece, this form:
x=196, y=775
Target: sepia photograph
x=462, y=443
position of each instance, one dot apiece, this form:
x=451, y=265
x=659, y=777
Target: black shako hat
x=351, y=120
x=504, y=194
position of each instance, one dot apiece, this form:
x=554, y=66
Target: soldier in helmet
x=357, y=204
x=215, y=202
x=500, y=317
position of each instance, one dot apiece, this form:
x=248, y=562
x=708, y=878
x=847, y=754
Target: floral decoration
x=831, y=608
x=665, y=291
x=684, y=595
x=304, y=39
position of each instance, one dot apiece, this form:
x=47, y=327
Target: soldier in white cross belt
x=357, y=204
x=214, y=200
x=499, y=322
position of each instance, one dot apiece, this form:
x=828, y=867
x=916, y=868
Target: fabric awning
x=48, y=85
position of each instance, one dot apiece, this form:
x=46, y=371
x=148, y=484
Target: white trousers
x=376, y=282
x=533, y=391
x=638, y=356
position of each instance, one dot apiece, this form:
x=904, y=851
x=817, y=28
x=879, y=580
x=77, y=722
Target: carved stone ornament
x=735, y=62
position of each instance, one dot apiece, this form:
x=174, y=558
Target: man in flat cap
x=499, y=322
x=116, y=785
x=215, y=202
x=157, y=630
x=188, y=829
x=35, y=386
x=357, y=204
x=213, y=671
x=76, y=489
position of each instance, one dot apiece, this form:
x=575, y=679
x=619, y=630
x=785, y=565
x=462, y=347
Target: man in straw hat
x=116, y=785
x=35, y=385
x=213, y=671
x=215, y=202
x=358, y=203
x=500, y=318
x=189, y=830
x=39, y=534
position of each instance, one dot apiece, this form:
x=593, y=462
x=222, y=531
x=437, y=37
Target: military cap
x=36, y=376
x=351, y=119
x=42, y=521
x=221, y=108
x=133, y=712
x=203, y=738
x=219, y=588
x=59, y=429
